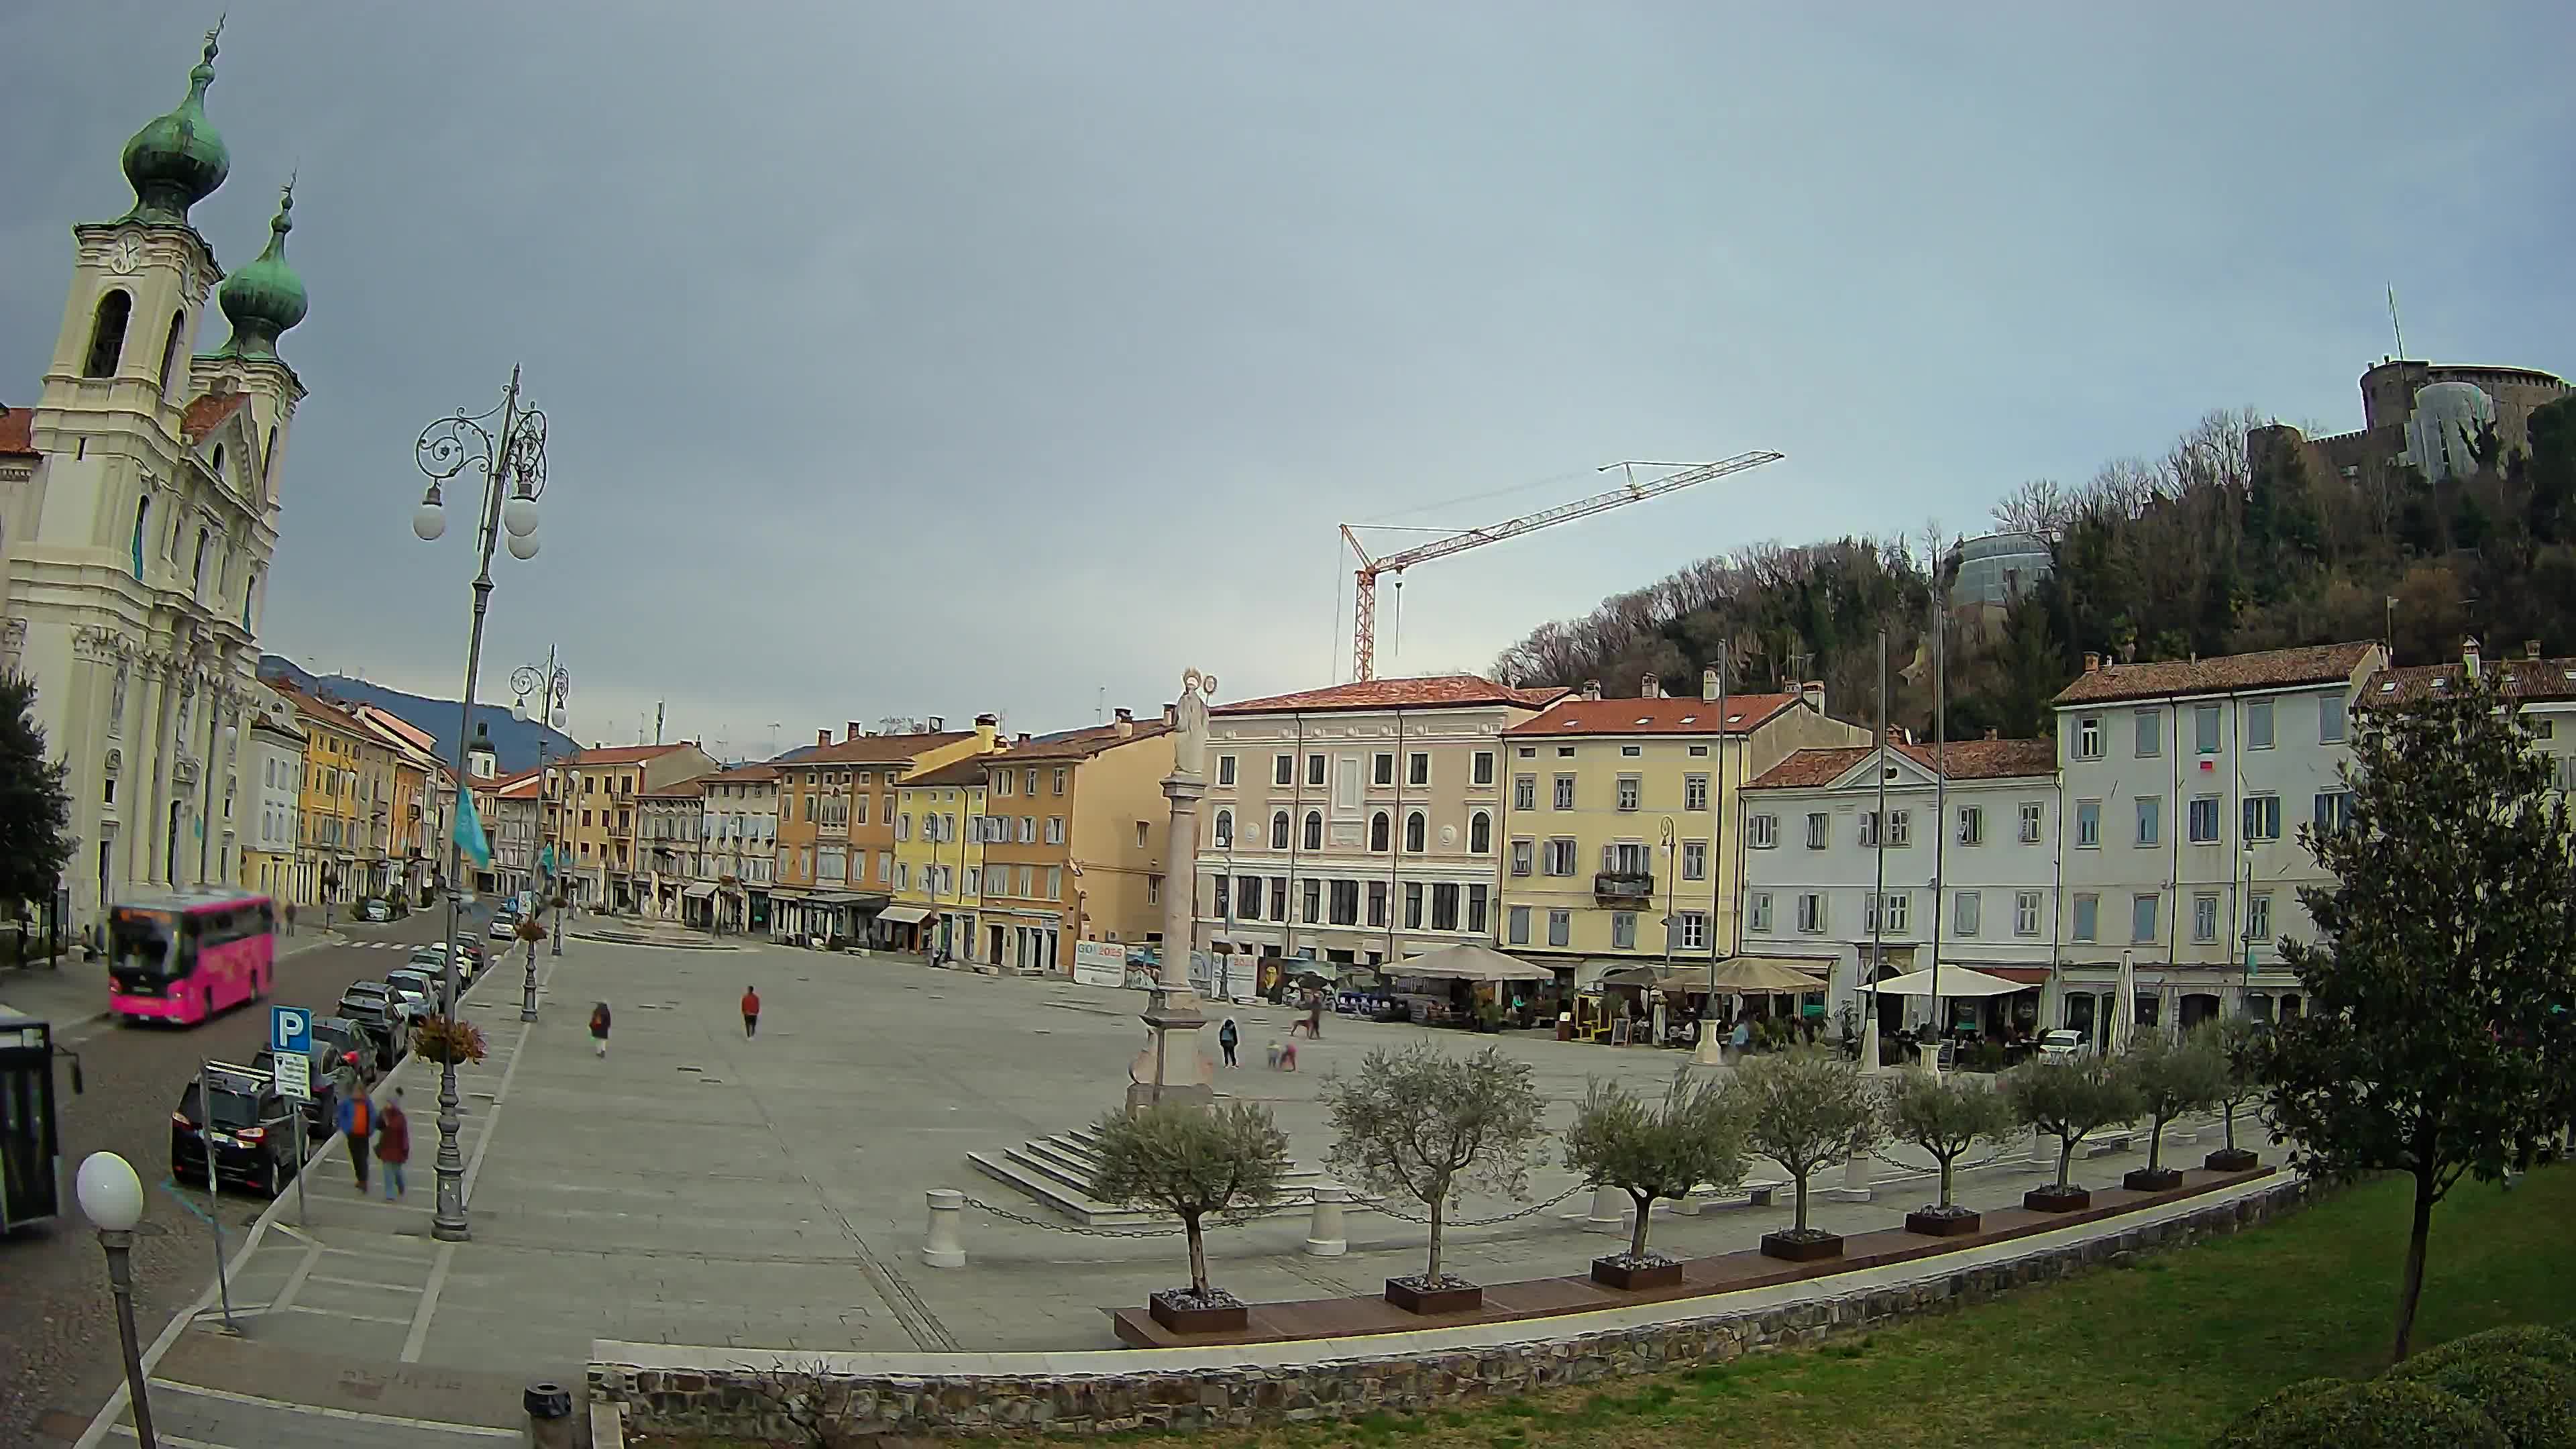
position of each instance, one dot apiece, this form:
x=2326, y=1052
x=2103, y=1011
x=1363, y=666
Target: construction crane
x=1364, y=606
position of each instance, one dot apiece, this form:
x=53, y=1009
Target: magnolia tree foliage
x=2444, y=965
x=1656, y=1149
x=2070, y=1101
x=1192, y=1162
x=1431, y=1126
x=1946, y=1116
x=2172, y=1078
x=1804, y=1109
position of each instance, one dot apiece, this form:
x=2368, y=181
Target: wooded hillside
x=2201, y=551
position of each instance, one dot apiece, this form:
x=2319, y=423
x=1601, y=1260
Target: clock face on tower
x=127, y=255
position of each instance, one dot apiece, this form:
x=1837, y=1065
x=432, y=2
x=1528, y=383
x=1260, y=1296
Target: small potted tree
x=1430, y=1125
x=1653, y=1151
x=1804, y=1109
x=2239, y=1043
x=2069, y=1101
x=2170, y=1079
x=1194, y=1163
x=1946, y=1116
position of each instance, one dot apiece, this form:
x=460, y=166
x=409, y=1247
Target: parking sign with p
x=290, y=1029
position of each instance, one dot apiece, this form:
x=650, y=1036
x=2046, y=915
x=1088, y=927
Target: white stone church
x=139, y=501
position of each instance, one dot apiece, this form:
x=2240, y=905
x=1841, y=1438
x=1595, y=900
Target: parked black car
x=255, y=1130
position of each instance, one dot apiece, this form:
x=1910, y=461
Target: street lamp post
x=513, y=464
x=553, y=686
x=111, y=1197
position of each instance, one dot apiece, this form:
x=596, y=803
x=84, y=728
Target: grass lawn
x=2161, y=1353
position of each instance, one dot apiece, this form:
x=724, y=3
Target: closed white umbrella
x=2124, y=1006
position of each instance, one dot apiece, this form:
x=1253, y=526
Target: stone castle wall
x=726, y=1394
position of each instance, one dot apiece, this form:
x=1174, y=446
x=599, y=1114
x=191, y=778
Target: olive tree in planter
x=2069, y=1101
x=1619, y=1139
x=1805, y=1109
x=1431, y=1126
x=1195, y=1163
x=1946, y=1116
x=2239, y=1043
x=2171, y=1078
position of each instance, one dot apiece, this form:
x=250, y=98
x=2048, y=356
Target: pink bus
x=182, y=958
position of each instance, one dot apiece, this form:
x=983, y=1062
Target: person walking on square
x=290, y=918
x=357, y=1124
x=599, y=1029
x=1315, y=1016
x=393, y=1144
x=750, y=1012
x=1226, y=1037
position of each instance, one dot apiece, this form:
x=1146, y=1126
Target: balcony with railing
x=1623, y=886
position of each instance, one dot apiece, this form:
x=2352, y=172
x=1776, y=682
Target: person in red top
x=393, y=1143
x=750, y=1011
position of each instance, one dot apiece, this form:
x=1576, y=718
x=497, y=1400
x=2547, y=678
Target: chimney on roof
x=822, y=737
x=938, y=724
x=1708, y=685
x=988, y=730
x=851, y=731
x=1125, y=720
x=1813, y=692
x=2530, y=648
x=1592, y=689
x=2469, y=656
x=2092, y=661
x=1651, y=687
x=1023, y=739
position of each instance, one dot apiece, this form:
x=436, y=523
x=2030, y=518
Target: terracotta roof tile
x=1081, y=744
x=17, y=431
x=968, y=771
x=2524, y=679
x=207, y=413
x=1431, y=692
x=2268, y=669
x=1968, y=760
x=1660, y=716
x=622, y=754
x=747, y=774
x=682, y=790
x=873, y=749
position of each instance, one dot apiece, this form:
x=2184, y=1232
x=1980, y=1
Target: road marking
x=492, y=1118
x=354, y=1317
x=364, y=1283
x=355, y=1416
x=171, y=1439
x=427, y=1308
x=295, y=1281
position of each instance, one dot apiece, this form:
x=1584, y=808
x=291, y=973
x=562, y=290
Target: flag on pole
x=469, y=830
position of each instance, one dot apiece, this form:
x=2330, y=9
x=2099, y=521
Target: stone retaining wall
x=728, y=1395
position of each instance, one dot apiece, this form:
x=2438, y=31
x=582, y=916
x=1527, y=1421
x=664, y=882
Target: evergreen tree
x=35, y=812
x=2442, y=954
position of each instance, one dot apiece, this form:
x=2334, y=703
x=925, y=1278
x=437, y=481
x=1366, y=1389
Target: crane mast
x=1364, y=604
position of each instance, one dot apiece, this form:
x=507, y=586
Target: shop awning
x=845, y=898
x=1468, y=962
x=1955, y=981
x=1757, y=974
x=699, y=891
x=2026, y=975
x=904, y=915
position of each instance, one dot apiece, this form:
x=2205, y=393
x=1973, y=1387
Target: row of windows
x=1444, y=905
x=1762, y=832
x=1026, y=781
x=1891, y=913
x=1629, y=793
x=2207, y=728
x=1417, y=831
x=1557, y=856
x=2260, y=818
x=1417, y=769
x=1690, y=929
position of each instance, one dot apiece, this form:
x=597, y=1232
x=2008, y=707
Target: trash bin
x=550, y=1422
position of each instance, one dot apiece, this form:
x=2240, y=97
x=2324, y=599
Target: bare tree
x=807, y=1399
x=2038, y=507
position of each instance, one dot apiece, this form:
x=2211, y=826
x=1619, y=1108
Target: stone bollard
x=550, y=1421
x=1855, y=1186
x=943, y=1250
x=1609, y=1211
x=1325, y=1236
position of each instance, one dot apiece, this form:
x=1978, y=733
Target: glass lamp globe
x=519, y=516
x=523, y=545
x=428, y=521
x=519, y=709
x=111, y=1196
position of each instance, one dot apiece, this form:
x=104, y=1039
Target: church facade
x=139, y=509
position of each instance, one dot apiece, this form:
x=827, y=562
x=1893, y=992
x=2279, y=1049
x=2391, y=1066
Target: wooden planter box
x=1943, y=1225
x=2159, y=1179
x=1801, y=1250
x=1466, y=1298
x=1612, y=1273
x=2231, y=1159
x=1233, y=1318
x=2056, y=1200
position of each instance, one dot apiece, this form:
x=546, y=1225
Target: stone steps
x=1057, y=1172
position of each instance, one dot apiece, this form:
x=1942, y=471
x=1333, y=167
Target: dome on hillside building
x=2449, y=420
x=178, y=160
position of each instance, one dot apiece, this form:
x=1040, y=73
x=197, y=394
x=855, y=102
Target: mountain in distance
x=514, y=742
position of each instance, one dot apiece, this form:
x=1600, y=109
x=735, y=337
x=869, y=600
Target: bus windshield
x=140, y=942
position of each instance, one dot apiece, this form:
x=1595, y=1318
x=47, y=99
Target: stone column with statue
x=1173, y=1067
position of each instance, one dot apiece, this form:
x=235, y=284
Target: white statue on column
x=1173, y=1067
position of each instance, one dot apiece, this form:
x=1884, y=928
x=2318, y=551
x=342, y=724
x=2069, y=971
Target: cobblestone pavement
x=57, y=1328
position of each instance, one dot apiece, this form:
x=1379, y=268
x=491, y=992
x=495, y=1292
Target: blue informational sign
x=290, y=1029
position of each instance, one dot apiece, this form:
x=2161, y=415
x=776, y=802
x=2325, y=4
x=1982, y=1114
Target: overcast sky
x=927, y=359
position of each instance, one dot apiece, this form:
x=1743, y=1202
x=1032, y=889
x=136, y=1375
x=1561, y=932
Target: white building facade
x=2186, y=782
x=273, y=766
x=1966, y=873
x=741, y=832
x=139, y=507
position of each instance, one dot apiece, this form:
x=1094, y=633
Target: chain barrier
x=2194, y=1124
x=1536, y=1207
x=1026, y=1221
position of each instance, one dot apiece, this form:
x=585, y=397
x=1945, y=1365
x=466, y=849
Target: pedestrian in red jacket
x=393, y=1144
x=750, y=1011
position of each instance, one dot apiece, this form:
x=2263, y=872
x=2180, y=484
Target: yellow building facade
x=1619, y=815
x=343, y=760
x=939, y=858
